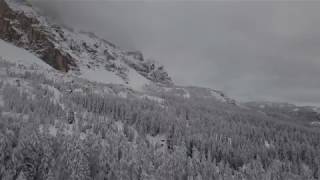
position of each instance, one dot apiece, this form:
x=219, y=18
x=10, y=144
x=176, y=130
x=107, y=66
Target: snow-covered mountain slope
x=80, y=53
x=19, y=61
x=21, y=56
x=84, y=55
x=101, y=82
x=96, y=81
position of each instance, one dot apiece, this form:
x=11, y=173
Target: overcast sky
x=251, y=50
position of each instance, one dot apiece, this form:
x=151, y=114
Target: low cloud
x=250, y=50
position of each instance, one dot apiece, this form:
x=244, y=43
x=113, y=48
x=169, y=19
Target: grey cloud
x=250, y=50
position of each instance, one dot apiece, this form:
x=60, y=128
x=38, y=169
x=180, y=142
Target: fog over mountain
x=250, y=50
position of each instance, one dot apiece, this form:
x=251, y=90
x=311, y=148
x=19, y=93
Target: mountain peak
x=71, y=51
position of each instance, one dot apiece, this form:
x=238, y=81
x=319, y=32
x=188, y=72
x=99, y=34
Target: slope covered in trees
x=68, y=128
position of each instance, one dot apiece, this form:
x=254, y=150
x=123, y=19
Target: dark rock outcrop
x=27, y=32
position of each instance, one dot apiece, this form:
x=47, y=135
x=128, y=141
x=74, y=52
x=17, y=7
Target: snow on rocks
x=17, y=55
x=22, y=7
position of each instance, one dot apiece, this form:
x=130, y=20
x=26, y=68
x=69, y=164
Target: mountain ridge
x=86, y=55
x=67, y=50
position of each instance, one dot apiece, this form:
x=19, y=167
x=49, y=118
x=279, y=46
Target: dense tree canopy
x=102, y=136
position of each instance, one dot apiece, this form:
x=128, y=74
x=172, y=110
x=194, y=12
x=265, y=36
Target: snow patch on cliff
x=17, y=55
x=101, y=76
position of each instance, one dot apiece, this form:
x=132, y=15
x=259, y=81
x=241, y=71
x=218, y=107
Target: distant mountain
x=290, y=112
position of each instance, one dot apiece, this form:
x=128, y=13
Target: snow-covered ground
x=20, y=56
x=101, y=76
x=137, y=81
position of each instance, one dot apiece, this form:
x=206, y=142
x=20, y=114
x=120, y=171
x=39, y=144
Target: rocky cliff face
x=26, y=31
x=66, y=50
